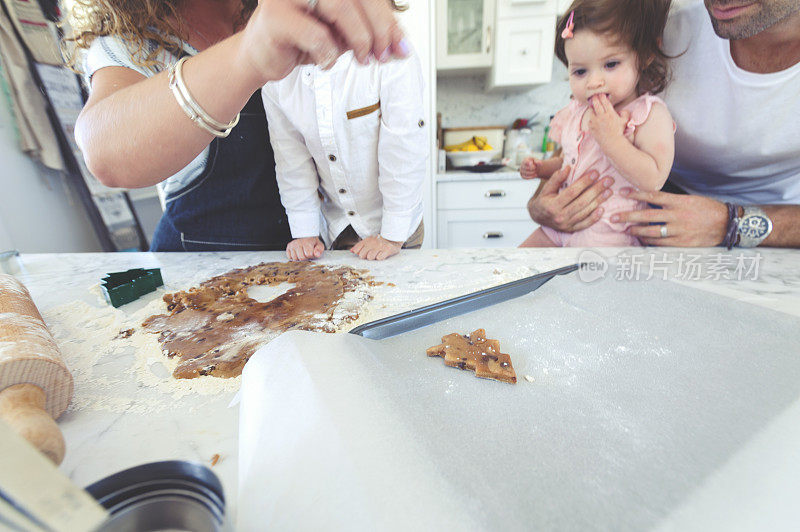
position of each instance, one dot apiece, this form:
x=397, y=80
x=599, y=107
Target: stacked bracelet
x=197, y=114
x=731, y=232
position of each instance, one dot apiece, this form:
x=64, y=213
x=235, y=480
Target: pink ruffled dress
x=582, y=152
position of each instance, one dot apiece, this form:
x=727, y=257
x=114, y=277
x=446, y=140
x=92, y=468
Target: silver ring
x=664, y=231
x=312, y=5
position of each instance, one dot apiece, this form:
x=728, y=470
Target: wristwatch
x=752, y=227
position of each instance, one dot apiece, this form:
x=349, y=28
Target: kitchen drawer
x=495, y=194
x=484, y=229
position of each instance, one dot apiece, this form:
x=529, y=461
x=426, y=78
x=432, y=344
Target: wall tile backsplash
x=464, y=101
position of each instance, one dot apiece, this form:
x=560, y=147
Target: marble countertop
x=116, y=424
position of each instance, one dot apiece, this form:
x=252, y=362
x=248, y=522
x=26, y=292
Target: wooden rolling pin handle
x=22, y=407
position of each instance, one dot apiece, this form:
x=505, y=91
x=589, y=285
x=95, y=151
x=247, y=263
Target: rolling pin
x=35, y=384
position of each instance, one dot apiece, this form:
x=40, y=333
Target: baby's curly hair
x=637, y=23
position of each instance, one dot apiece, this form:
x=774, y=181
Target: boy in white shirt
x=351, y=147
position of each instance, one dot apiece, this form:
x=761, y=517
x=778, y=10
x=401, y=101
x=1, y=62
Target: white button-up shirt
x=350, y=143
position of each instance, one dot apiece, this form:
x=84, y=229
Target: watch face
x=754, y=226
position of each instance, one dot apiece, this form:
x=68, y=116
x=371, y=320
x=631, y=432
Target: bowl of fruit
x=471, y=152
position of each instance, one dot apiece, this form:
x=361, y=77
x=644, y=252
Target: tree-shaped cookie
x=475, y=352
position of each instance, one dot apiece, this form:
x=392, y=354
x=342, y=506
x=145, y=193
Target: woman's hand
x=282, y=34
x=305, y=248
x=575, y=207
x=376, y=248
x=690, y=221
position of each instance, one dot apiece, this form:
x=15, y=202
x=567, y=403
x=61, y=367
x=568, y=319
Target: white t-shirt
x=738, y=133
x=113, y=51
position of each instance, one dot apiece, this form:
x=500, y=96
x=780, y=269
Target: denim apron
x=234, y=205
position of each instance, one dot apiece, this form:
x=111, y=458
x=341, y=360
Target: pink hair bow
x=567, y=33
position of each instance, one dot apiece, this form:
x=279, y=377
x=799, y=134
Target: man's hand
x=574, y=208
x=376, y=248
x=529, y=169
x=691, y=221
x=604, y=123
x=305, y=248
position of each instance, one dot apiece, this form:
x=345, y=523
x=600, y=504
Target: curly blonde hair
x=137, y=21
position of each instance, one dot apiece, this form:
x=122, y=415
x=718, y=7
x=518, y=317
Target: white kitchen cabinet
x=523, y=52
x=525, y=8
x=524, y=38
x=514, y=38
x=563, y=5
x=484, y=213
x=464, y=34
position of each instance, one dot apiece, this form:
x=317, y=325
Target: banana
x=474, y=144
x=458, y=147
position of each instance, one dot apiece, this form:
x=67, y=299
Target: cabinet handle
x=493, y=234
x=495, y=193
x=488, y=39
x=524, y=51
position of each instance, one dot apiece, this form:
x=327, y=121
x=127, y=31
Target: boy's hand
x=376, y=248
x=305, y=248
x=529, y=169
x=604, y=122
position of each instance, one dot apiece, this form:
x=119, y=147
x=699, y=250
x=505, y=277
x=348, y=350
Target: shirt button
x=332, y=158
x=351, y=213
x=342, y=191
x=573, y=160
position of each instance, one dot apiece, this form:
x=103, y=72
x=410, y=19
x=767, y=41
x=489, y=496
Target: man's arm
x=785, y=226
x=698, y=221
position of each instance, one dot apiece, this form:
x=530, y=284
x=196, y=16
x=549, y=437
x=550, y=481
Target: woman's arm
x=133, y=133
x=644, y=161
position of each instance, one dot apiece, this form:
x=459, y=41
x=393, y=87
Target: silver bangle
x=196, y=114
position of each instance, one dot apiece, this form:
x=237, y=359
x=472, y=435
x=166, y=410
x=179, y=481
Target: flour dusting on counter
x=113, y=358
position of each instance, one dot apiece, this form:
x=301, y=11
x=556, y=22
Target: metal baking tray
x=424, y=316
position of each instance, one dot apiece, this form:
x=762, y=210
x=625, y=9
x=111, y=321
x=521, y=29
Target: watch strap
x=732, y=228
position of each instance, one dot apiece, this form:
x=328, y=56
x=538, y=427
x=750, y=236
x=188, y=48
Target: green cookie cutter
x=123, y=287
